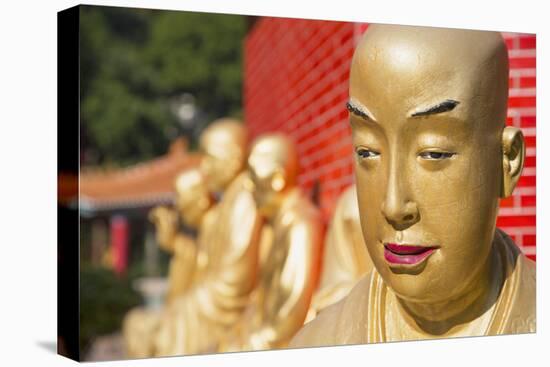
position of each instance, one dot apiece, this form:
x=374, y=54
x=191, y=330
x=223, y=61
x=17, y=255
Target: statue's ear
x=513, y=154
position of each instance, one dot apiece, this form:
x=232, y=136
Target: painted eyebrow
x=359, y=110
x=446, y=105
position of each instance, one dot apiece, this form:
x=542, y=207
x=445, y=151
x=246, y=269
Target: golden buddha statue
x=289, y=274
x=195, y=321
x=345, y=256
x=193, y=201
x=433, y=157
x=193, y=205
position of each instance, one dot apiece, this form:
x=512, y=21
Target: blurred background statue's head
x=273, y=169
x=224, y=145
x=192, y=197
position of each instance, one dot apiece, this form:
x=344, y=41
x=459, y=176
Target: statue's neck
x=452, y=315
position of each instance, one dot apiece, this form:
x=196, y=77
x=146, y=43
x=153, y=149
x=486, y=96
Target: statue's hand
x=166, y=223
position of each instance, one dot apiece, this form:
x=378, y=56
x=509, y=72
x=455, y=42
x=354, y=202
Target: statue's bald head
x=192, y=197
x=273, y=169
x=416, y=68
x=274, y=152
x=227, y=132
x=433, y=156
x=188, y=180
x=224, y=144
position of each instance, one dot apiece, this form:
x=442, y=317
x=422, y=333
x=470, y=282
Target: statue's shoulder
x=524, y=268
x=321, y=330
x=302, y=214
x=521, y=317
x=528, y=272
x=524, y=312
x=237, y=199
x=342, y=323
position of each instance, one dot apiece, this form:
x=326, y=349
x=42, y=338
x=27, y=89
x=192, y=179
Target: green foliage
x=135, y=61
x=104, y=300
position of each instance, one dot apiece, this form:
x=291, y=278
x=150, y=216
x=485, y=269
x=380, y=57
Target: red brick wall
x=296, y=82
x=517, y=214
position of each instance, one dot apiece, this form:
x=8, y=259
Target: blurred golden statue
x=290, y=272
x=195, y=321
x=193, y=203
x=345, y=256
x=433, y=157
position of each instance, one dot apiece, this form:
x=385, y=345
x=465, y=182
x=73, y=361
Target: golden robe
x=195, y=322
x=187, y=265
x=345, y=258
x=288, y=277
x=182, y=266
x=359, y=318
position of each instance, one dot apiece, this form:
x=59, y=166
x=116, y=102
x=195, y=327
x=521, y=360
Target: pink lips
x=406, y=254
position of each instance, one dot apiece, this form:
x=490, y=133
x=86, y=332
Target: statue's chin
x=417, y=298
x=417, y=289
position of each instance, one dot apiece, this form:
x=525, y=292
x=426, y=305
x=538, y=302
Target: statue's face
x=223, y=148
x=272, y=170
x=262, y=177
x=428, y=165
x=266, y=177
x=219, y=167
x=192, y=199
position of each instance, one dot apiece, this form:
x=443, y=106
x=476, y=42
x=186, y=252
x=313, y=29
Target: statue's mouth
x=405, y=254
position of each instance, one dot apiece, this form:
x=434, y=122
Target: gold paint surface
x=210, y=280
x=345, y=256
x=193, y=204
x=195, y=321
x=223, y=145
x=229, y=238
x=290, y=269
x=432, y=159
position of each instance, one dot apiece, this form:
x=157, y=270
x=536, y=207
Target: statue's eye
x=366, y=153
x=436, y=155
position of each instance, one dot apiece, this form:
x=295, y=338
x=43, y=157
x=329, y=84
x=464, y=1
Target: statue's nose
x=400, y=215
x=398, y=207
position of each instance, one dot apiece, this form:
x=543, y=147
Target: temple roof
x=142, y=185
